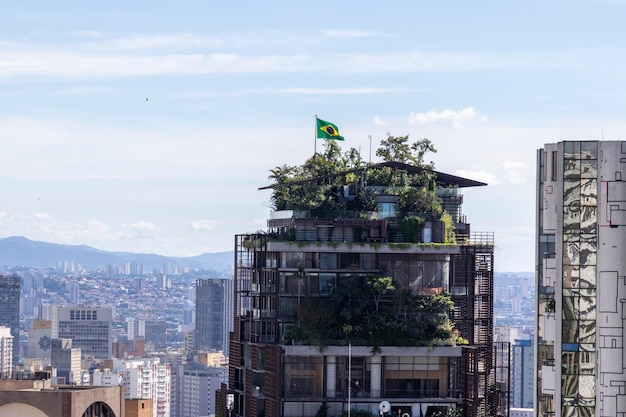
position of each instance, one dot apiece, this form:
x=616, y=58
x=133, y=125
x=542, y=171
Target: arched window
x=98, y=409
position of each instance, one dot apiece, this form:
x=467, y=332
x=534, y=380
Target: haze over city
x=149, y=127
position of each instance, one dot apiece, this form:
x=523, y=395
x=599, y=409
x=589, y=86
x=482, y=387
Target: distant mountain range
x=22, y=252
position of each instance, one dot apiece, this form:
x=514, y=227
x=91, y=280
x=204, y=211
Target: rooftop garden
x=407, y=182
x=317, y=183
x=375, y=312
x=372, y=310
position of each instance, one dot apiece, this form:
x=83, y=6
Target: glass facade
x=421, y=377
x=574, y=228
x=578, y=313
x=303, y=376
x=10, y=309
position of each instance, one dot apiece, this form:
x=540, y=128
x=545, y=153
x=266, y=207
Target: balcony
x=331, y=247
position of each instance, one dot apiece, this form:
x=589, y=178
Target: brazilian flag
x=327, y=130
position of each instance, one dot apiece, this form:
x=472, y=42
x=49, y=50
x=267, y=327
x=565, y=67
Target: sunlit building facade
x=310, y=255
x=581, y=286
x=89, y=327
x=6, y=352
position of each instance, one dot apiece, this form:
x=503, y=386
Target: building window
x=328, y=260
x=304, y=376
x=327, y=283
x=415, y=377
x=386, y=210
x=356, y=380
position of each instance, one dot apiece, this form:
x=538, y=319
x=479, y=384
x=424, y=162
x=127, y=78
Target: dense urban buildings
x=349, y=297
x=10, y=309
x=581, y=287
x=145, y=325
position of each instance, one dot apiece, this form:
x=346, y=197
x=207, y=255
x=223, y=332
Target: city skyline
x=150, y=127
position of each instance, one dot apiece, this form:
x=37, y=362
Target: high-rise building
x=142, y=378
x=581, y=286
x=135, y=328
x=156, y=332
x=66, y=360
x=73, y=290
x=523, y=374
x=213, y=298
x=10, y=310
x=6, y=352
x=40, y=340
x=379, y=294
x=189, y=312
x=90, y=328
x=174, y=359
x=198, y=384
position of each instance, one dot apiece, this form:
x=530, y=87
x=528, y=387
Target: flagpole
x=349, y=376
x=315, y=138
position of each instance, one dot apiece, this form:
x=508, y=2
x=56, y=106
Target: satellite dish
x=384, y=407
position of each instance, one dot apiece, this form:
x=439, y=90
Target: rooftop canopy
x=443, y=179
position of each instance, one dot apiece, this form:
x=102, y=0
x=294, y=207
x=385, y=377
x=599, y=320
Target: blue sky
x=149, y=126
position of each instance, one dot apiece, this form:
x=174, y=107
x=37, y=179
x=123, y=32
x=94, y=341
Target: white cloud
x=43, y=216
x=139, y=225
x=479, y=175
x=341, y=91
x=379, y=121
x=333, y=33
x=509, y=172
x=25, y=17
x=177, y=40
x=97, y=225
x=90, y=89
x=203, y=224
x=458, y=118
x=94, y=56
x=86, y=34
x=515, y=172
x=2, y=215
x=41, y=149
x=297, y=91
